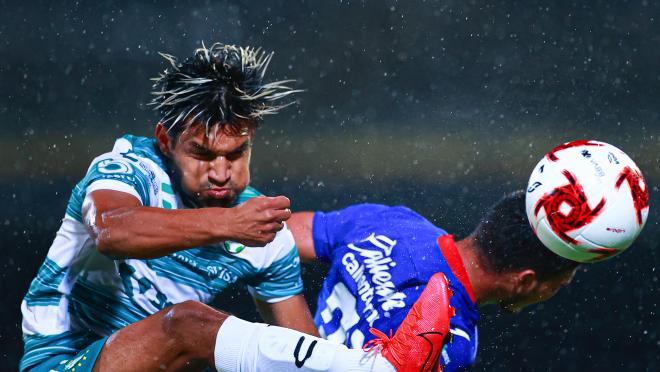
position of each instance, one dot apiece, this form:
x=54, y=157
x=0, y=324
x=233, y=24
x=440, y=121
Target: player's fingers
x=281, y=215
x=270, y=237
x=273, y=227
x=264, y=238
x=278, y=202
x=259, y=203
x=273, y=215
x=259, y=242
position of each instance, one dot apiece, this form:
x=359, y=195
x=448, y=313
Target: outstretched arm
x=292, y=313
x=300, y=225
x=123, y=228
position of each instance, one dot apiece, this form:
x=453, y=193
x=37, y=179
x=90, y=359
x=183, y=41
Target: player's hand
x=256, y=222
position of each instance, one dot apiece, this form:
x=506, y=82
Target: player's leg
x=192, y=336
x=255, y=347
x=179, y=337
x=250, y=347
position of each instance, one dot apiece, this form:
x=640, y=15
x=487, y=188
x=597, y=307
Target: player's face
x=541, y=291
x=212, y=170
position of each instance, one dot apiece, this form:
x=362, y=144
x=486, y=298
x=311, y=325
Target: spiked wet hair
x=221, y=85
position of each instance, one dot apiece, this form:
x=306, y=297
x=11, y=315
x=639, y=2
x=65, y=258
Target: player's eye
x=234, y=155
x=238, y=153
x=201, y=153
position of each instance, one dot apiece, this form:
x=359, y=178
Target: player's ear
x=526, y=281
x=163, y=139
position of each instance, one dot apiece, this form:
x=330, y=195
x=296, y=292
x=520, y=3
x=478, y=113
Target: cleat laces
x=381, y=340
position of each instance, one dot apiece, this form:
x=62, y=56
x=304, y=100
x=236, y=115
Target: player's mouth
x=220, y=193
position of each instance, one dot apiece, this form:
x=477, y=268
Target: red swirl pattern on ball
x=580, y=214
x=602, y=253
x=552, y=155
x=640, y=196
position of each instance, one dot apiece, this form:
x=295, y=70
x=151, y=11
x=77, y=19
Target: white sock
x=233, y=338
x=254, y=347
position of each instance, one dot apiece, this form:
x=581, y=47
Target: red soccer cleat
x=417, y=344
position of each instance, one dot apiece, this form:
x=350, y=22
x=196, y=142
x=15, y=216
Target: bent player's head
x=210, y=105
x=509, y=248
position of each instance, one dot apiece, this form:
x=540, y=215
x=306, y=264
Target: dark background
x=439, y=105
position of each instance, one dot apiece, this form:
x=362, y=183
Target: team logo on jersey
x=111, y=166
x=369, y=264
x=76, y=362
x=234, y=248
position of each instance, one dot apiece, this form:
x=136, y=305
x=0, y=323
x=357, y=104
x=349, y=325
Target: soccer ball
x=587, y=201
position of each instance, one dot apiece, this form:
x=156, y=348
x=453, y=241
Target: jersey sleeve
x=281, y=278
x=333, y=228
x=121, y=172
x=118, y=172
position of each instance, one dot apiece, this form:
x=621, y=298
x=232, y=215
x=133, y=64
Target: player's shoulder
x=128, y=155
x=396, y=222
x=398, y=217
x=367, y=209
x=133, y=165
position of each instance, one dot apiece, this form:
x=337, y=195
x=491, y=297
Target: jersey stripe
x=44, y=288
x=104, y=309
x=282, y=278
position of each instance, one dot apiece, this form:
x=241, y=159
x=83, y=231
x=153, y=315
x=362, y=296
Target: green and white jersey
x=80, y=295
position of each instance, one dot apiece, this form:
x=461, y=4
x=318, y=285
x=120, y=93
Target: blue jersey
x=380, y=261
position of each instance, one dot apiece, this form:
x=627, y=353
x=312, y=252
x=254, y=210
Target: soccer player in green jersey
x=160, y=221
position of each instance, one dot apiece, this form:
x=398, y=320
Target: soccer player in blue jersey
x=160, y=226
x=381, y=259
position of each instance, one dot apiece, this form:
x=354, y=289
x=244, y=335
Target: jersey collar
x=450, y=252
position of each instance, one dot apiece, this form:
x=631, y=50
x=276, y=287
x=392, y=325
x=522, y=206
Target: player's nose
x=220, y=171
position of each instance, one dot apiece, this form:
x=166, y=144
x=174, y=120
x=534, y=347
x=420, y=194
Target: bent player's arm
x=123, y=228
x=291, y=313
x=301, y=224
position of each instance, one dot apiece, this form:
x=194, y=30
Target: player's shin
x=245, y=346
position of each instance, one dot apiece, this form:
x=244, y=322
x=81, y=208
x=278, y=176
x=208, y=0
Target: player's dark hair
x=221, y=85
x=508, y=243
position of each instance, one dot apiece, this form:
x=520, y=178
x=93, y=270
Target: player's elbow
x=108, y=244
x=105, y=248
x=107, y=232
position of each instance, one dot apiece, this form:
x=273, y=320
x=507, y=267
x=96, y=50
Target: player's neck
x=486, y=286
